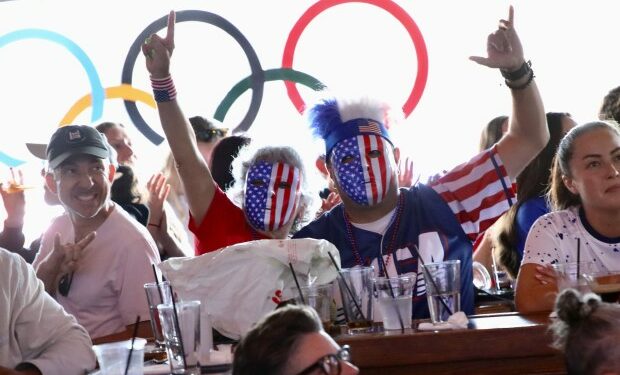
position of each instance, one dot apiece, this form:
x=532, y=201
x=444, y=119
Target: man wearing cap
x=94, y=259
x=397, y=230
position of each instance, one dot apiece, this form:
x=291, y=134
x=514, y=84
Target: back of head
x=222, y=157
x=610, y=108
x=266, y=348
x=588, y=332
x=492, y=132
x=205, y=130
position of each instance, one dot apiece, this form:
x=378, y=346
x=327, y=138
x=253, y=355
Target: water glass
x=356, y=291
x=320, y=298
x=183, y=347
x=573, y=275
x=443, y=289
x=157, y=294
x=394, y=300
x=112, y=357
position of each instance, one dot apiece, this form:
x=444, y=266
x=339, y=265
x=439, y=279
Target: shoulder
x=322, y=225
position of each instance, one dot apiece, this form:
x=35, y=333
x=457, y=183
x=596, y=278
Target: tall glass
x=182, y=335
x=443, y=289
x=572, y=275
x=394, y=300
x=157, y=294
x=356, y=292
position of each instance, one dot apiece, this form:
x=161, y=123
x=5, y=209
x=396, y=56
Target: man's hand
x=14, y=200
x=504, y=48
x=405, y=175
x=158, y=50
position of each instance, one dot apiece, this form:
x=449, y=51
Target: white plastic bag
x=239, y=284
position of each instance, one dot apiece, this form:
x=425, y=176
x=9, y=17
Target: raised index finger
x=511, y=15
x=172, y=17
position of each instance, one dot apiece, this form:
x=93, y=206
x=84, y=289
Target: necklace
x=389, y=249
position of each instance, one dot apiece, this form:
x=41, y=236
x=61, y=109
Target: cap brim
x=89, y=150
x=38, y=150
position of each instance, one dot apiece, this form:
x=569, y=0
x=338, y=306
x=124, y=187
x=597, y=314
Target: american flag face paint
x=363, y=167
x=272, y=193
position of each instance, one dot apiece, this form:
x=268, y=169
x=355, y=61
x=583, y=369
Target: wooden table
x=506, y=343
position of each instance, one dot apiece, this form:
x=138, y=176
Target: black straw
x=301, y=295
x=133, y=338
x=161, y=297
x=395, y=304
x=177, y=326
x=578, y=258
x=346, y=285
x=430, y=277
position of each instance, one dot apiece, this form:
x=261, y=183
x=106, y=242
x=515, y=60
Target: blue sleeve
x=527, y=214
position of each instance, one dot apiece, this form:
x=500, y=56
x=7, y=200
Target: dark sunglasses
x=205, y=135
x=65, y=284
x=330, y=364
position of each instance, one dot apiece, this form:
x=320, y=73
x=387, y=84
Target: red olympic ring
x=399, y=13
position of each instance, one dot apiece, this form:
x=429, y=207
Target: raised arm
x=193, y=170
x=527, y=133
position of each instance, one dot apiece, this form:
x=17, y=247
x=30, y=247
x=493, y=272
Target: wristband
x=517, y=74
x=521, y=87
x=163, y=89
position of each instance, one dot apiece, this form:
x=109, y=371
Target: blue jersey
x=439, y=220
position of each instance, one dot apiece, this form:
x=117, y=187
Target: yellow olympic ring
x=123, y=91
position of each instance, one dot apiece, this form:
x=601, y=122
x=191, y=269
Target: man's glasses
x=330, y=364
x=206, y=135
x=65, y=284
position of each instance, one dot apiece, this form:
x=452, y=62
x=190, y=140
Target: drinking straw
x=346, y=285
x=445, y=305
x=161, y=297
x=578, y=257
x=395, y=304
x=301, y=295
x=133, y=338
x=177, y=326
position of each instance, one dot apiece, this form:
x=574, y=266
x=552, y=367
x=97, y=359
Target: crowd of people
x=541, y=191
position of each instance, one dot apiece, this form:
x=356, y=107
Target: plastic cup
x=443, y=289
x=356, y=292
x=573, y=275
x=112, y=357
x=394, y=301
x=320, y=298
x=188, y=313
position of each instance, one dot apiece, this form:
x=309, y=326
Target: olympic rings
x=389, y=6
x=257, y=77
x=122, y=91
x=278, y=74
x=95, y=83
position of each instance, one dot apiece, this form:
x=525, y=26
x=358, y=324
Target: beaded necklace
x=389, y=249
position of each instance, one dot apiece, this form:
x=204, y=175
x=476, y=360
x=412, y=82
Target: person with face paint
x=395, y=229
x=273, y=180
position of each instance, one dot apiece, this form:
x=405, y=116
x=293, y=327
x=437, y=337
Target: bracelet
x=154, y=225
x=163, y=89
x=517, y=74
x=521, y=87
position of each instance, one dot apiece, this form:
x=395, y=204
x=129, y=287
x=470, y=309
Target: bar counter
x=504, y=343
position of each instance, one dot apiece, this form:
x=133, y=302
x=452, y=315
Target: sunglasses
x=205, y=135
x=330, y=364
x=65, y=284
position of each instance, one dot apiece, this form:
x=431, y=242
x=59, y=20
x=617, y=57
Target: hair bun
x=572, y=307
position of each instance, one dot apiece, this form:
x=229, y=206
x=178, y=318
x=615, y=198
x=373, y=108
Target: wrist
x=516, y=73
x=14, y=223
x=163, y=88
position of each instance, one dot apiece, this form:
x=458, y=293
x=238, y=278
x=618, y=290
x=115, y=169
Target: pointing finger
x=511, y=15
x=85, y=241
x=171, y=21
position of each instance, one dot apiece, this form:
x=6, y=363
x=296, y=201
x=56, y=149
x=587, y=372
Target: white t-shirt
x=553, y=239
x=34, y=328
x=107, y=290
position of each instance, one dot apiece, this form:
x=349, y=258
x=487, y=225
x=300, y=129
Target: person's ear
x=50, y=182
x=111, y=172
x=320, y=165
x=570, y=184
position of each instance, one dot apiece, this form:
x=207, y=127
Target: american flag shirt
x=271, y=194
x=363, y=168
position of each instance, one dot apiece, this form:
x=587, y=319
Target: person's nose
x=85, y=180
x=614, y=170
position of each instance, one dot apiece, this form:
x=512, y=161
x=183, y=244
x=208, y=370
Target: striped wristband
x=163, y=89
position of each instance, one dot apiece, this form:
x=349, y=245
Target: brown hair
x=492, y=132
x=532, y=182
x=559, y=196
x=588, y=332
x=266, y=348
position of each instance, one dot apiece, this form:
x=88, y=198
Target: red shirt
x=224, y=224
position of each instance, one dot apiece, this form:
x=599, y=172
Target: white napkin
x=457, y=320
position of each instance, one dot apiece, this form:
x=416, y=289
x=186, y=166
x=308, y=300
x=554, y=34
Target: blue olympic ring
x=257, y=76
x=98, y=93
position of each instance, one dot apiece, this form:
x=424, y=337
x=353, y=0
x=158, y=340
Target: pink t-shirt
x=107, y=291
